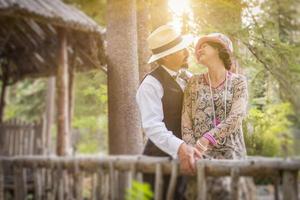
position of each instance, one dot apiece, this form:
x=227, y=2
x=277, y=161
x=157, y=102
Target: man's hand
x=188, y=156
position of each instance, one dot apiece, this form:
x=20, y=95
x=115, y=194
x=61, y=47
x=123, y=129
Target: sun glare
x=179, y=7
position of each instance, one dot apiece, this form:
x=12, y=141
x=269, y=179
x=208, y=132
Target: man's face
x=177, y=60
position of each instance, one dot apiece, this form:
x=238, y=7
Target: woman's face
x=206, y=54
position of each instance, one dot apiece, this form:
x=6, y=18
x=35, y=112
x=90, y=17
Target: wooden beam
x=62, y=85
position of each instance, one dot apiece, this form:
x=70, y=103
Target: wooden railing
x=21, y=138
x=62, y=177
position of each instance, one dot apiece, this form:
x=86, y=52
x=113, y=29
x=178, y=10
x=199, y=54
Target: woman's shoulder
x=238, y=78
x=195, y=79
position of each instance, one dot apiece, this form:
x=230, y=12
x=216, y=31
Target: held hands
x=188, y=156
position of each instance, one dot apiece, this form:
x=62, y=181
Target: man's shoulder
x=149, y=81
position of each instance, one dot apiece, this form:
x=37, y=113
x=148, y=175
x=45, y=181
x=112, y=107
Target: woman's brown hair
x=223, y=54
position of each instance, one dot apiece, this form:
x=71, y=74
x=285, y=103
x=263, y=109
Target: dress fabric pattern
x=197, y=119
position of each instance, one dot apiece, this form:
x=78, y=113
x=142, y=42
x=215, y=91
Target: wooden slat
x=201, y=181
x=173, y=181
x=1, y=181
x=19, y=191
x=235, y=184
x=99, y=186
x=78, y=178
x=60, y=183
x=37, y=183
x=276, y=183
x=158, y=182
x=290, y=185
x=111, y=181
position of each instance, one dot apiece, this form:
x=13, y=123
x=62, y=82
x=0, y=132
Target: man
x=160, y=97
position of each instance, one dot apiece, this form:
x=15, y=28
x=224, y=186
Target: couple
x=195, y=119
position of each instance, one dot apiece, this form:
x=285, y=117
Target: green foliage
x=94, y=8
x=139, y=191
x=26, y=100
x=90, y=114
x=267, y=131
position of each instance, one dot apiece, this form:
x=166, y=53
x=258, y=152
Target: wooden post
x=143, y=30
x=125, y=135
x=2, y=97
x=290, y=185
x=234, y=183
x=49, y=113
x=1, y=181
x=62, y=85
x=159, y=184
x=201, y=181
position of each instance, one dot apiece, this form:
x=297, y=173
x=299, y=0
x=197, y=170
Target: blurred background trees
x=266, y=36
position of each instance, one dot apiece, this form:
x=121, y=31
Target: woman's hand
x=202, y=144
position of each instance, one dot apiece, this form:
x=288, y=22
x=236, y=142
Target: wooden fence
x=63, y=177
x=20, y=138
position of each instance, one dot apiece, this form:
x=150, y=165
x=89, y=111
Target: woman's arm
x=237, y=113
x=186, y=120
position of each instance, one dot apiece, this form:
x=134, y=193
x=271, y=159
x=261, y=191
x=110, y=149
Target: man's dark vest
x=172, y=106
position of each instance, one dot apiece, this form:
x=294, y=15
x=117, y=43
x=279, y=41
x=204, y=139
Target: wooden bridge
x=63, y=177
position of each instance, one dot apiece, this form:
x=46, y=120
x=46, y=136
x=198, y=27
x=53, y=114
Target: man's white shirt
x=149, y=99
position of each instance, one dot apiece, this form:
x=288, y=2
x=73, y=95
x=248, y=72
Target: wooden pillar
x=50, y=112
x=2, y=97
x=125, y=135
x=290, y=185
x=143, y=29
x=62, y=86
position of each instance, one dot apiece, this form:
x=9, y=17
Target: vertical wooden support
x=159, y=184
x=62, y=81
x=123, y=78
x=201, y=181
x=19, y=191
x=276, y=183
x=112, y=181
x=2, y=97
x=1, y=181
x=49, y=113
x=143, y=30
x=172, y=184
x=290, y=185
x=37, y=183
x=234, y=183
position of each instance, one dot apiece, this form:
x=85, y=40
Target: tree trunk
x=143, y=32
x=62, y=84
x=125, y=136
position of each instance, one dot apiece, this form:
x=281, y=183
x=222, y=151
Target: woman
x=215, y=104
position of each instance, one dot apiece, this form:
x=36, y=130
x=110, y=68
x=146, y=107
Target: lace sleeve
x=186, y=122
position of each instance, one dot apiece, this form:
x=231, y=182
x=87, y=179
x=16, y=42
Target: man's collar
x=171, y=72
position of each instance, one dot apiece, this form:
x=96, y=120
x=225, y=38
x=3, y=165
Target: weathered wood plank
x=158, y=182
x=1, y=181
x=290, y=185
x=201, y=181
x=235, y=183
x=173, y=181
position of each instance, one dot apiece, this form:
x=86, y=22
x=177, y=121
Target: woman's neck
x=216, y=72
